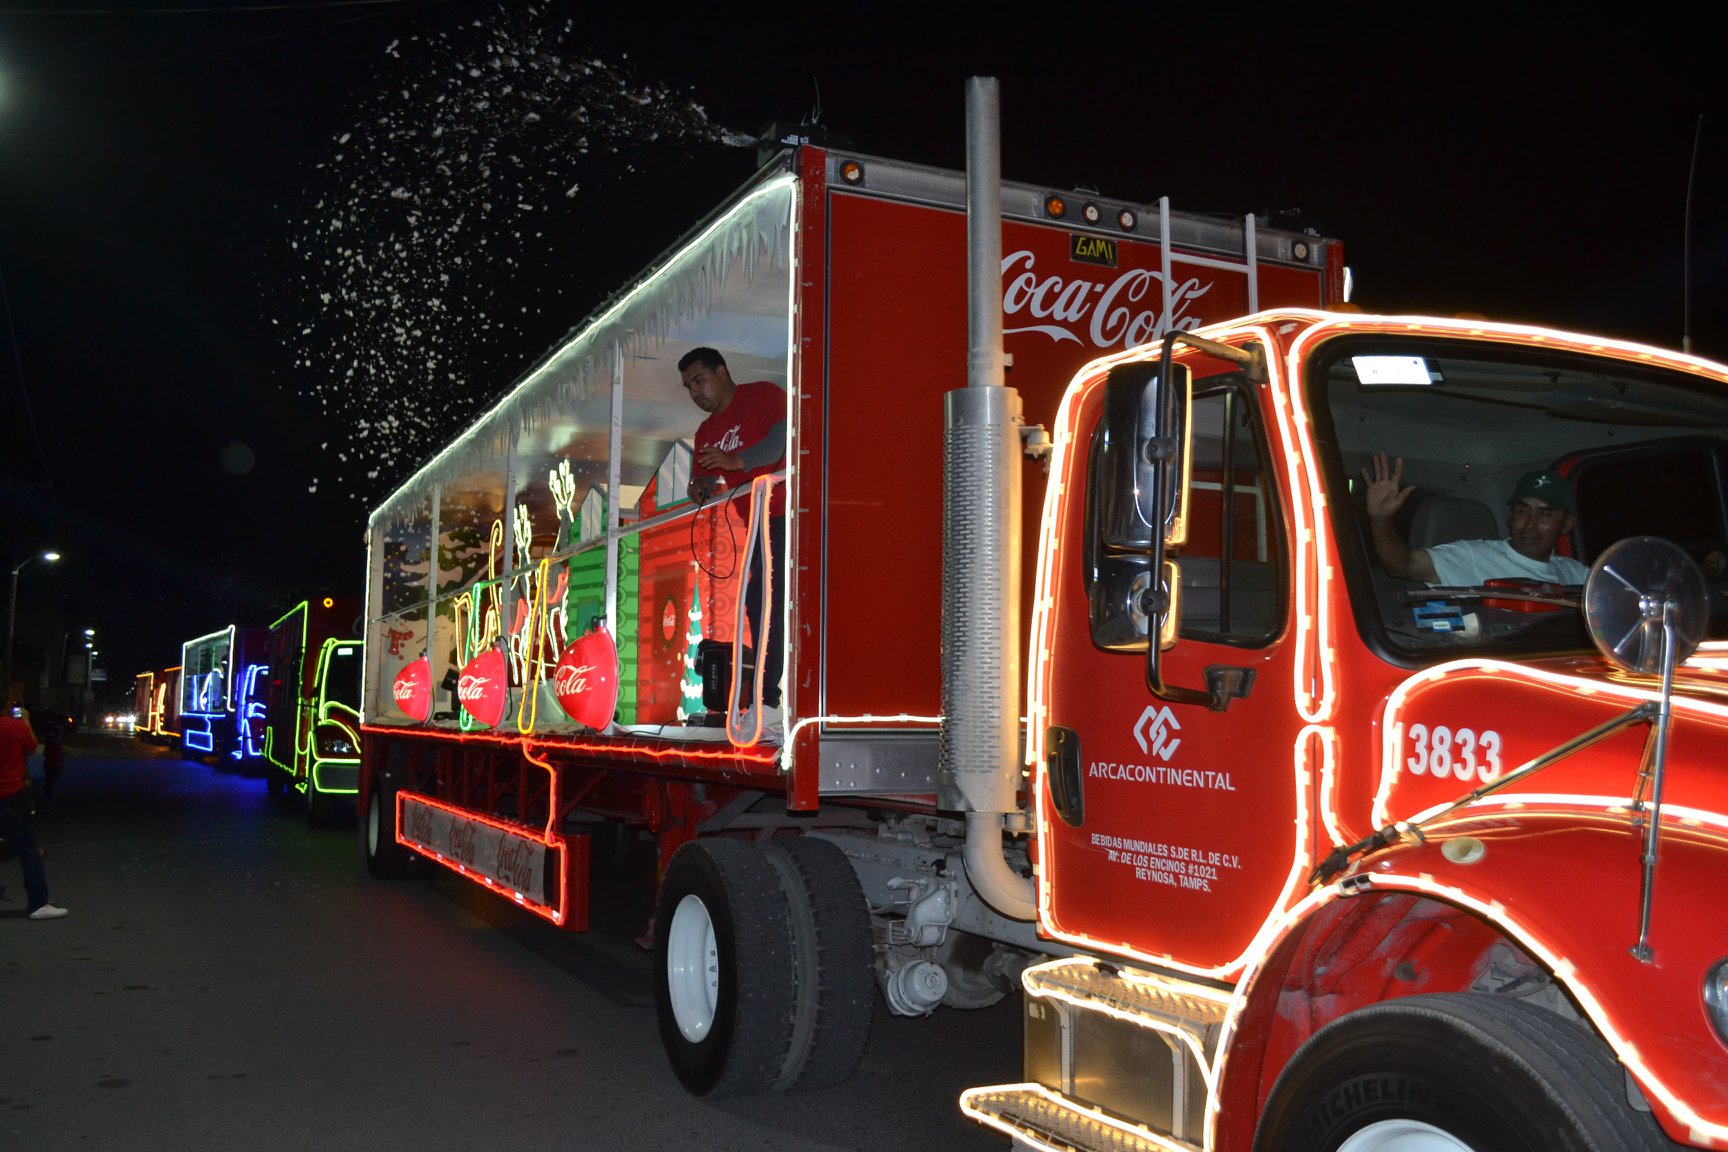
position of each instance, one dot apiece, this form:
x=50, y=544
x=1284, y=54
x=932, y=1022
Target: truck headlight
x=1716, y=998
x=333, y=742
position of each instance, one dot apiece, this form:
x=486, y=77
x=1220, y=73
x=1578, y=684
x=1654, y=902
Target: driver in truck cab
x=1538, y=514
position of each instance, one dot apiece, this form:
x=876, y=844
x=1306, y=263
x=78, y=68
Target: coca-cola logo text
x=1120, y=313
x=471, y=687
x=572, y=678
x=419, y=823
x=515, y=864
x=462, y=841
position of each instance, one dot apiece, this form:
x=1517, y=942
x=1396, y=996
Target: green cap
x=1551, y=488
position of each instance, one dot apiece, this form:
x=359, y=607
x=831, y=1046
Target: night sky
x=260, y=260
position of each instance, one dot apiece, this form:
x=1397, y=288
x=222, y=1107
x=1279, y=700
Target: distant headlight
x=333, y=742
x=1716, y=998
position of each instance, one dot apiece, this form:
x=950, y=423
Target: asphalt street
x=231, y=978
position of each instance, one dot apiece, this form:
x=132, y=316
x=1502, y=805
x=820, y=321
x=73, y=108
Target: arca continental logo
x=1154, y=732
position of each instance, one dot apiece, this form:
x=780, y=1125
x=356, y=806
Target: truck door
x=1170, y=828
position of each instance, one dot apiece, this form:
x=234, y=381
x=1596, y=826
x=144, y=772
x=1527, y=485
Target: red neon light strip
x=621, y=746
x=551, y=840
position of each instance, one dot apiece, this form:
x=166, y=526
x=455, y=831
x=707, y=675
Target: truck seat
x=1441, y=519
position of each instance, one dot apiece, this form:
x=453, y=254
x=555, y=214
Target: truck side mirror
x=1137, y=505
x=1142, y=456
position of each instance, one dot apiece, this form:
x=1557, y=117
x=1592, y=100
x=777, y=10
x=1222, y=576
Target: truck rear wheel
x=1453, y=1073
x=724, y=974
x=385, y=858
x=831, y=950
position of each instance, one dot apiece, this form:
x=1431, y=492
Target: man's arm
x=769, y=449
x=1385, y=496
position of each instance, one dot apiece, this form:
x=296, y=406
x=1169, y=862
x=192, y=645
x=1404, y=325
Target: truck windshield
x=342, y=676
x=1588, y=450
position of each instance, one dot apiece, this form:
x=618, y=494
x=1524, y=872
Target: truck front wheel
x=1453, y=1073
x=724, y=973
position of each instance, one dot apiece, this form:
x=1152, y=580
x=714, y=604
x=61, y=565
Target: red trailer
x=504, y=573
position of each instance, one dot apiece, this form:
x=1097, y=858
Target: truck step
x=1040, y=1119
x=1139, y=997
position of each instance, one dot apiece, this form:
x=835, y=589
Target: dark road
x=230, y=978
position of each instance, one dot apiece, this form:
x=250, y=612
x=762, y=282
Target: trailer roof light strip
x=1391, y=765
x=747, y=204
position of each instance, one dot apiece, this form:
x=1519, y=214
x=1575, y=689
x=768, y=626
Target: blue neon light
x=249, y=715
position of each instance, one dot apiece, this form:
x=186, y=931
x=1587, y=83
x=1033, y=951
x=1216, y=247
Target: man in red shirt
x=743, y=437
x=17, y=742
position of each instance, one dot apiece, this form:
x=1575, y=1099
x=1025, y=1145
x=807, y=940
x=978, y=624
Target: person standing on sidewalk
x=53, y=755
x=17, y=742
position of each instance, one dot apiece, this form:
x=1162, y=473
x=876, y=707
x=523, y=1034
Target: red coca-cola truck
x=1284, y=851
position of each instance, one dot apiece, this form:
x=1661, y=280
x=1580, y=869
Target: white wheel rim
x=374, y=818
x=1402, y=1136
x=692, y=968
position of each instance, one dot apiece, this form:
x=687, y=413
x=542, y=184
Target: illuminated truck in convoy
x=312, y=705
x=156, y=699
x=1284, y=851
x=222, y=698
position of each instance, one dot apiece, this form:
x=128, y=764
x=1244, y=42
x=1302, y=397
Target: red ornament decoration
x=483, y=689
x=413, y=689
x=586, y=680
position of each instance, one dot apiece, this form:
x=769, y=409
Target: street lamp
x=12, y=616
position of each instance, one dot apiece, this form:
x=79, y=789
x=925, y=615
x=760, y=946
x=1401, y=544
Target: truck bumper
x=336, y=777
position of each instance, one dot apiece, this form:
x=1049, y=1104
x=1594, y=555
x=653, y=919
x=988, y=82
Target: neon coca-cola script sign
x=1118, y=313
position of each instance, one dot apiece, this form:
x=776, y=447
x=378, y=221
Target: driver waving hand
x=1539, y=513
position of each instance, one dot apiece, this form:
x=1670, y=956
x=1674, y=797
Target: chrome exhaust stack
x=979, y=750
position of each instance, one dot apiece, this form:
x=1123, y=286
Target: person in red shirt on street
x=17, y=742
x=743, y=437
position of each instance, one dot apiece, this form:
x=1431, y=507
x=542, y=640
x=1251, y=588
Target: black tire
x=723, y=970
x=834, y=960
x=385, y=858
x=320, y=808
x=274, y=783
x=1494, y=1074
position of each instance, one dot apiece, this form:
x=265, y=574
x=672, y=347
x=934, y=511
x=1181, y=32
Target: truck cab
x=1310, y=825
x=312, y=706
